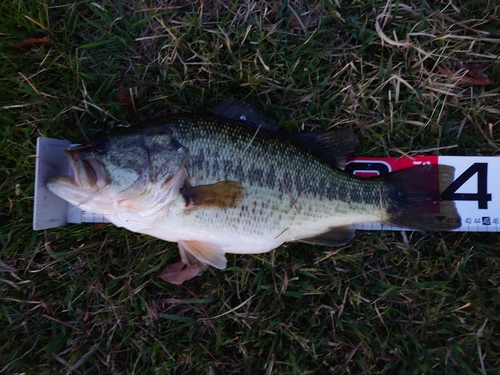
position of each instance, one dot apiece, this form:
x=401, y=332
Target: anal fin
x=223, y=194
x=335, y=236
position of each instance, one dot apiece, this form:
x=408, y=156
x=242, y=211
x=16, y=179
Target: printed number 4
x=481, y=197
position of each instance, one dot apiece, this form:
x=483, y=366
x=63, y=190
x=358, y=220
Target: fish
x=229, y=181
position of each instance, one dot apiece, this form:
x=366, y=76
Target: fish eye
x=100, y=145
x=175, y=145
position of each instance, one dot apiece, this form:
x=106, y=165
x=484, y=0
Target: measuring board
x=475, y=188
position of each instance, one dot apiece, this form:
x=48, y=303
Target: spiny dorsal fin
x=223, y=194
x=335, y=236
x=243, y=111
x=334, y=145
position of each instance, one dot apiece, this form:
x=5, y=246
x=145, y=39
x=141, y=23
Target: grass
x=82, y=299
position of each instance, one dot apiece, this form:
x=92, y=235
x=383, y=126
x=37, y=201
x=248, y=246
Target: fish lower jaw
x=64, y=185
x=67, y=188
x=134, y=223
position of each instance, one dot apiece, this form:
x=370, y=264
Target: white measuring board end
x=50, y=211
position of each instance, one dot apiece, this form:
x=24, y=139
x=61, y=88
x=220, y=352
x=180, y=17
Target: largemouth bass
x=230, y=182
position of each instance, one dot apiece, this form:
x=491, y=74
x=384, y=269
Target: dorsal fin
x=243, y=111
x=333, y=145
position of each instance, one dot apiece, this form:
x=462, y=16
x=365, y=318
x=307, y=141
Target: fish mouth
x=88, y=173
x=89, y=178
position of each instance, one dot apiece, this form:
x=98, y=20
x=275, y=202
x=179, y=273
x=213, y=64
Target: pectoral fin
x=336, y=236
x=223, y=194
x=203, y=253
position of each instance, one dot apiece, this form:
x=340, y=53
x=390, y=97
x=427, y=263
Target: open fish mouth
x=89, y=181
x=88, y=173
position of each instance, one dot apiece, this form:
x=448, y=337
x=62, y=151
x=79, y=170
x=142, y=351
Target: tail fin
x=416, y=198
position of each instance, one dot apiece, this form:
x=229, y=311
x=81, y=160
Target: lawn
x=86, y=299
